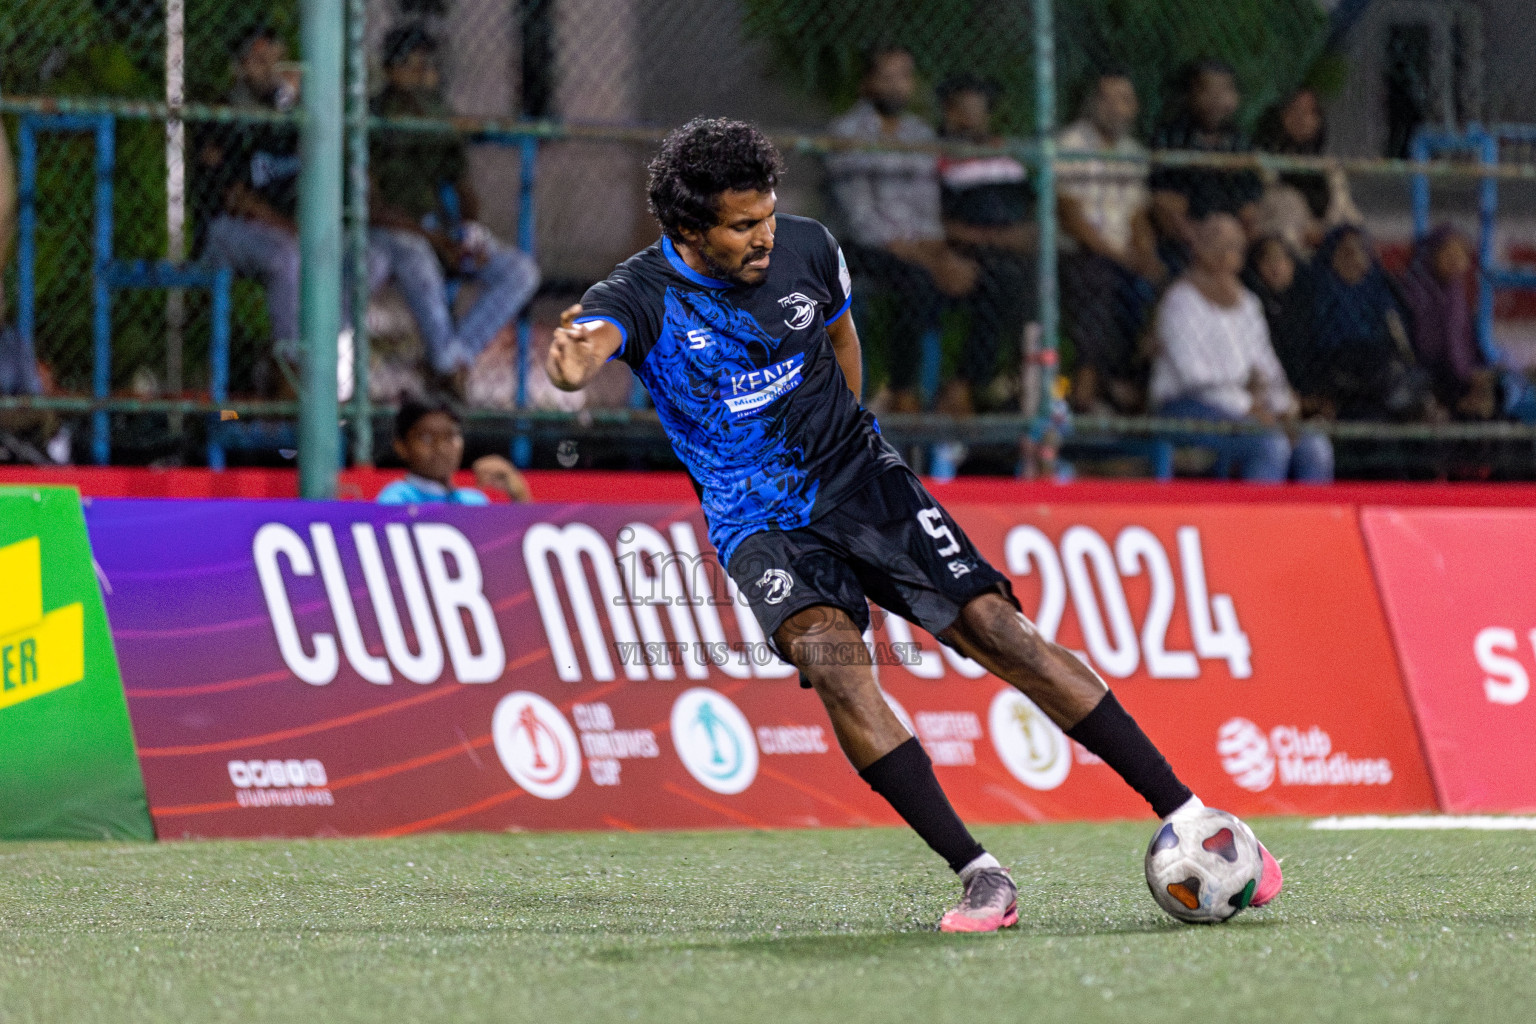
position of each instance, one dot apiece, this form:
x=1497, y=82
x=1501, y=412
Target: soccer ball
x=1203, y=867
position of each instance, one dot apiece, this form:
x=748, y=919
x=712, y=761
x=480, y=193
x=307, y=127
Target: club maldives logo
x=714, y=740
x=1029, y=744
x=536, y=745
x=1293, y=755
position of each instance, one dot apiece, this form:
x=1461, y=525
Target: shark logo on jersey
x=801, y=311
x=746, y=393
x=776, y=585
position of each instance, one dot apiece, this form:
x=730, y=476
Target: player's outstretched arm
x=579, y=351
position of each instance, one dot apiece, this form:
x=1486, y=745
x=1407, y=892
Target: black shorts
x=890, y=543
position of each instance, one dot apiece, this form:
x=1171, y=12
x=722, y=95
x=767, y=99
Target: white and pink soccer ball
x=1203, y=867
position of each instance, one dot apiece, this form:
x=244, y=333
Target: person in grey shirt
x=888, y=205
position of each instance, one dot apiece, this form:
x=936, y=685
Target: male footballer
x=737, y=321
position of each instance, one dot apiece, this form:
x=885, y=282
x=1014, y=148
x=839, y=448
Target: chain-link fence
x=1123, y=318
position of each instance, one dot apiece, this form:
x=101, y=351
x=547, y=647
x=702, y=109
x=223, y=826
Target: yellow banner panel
x=21, y=585
x=44, y=658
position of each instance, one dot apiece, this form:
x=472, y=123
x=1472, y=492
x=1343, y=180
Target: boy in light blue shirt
x=429, y=438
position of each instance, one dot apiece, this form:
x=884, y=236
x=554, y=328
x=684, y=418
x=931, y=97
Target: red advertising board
x=1460, y=591
x=1249, y=644
x=305, y=669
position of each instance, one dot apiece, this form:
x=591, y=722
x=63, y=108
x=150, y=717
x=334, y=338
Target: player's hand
x=572, y=355
x=494, y=473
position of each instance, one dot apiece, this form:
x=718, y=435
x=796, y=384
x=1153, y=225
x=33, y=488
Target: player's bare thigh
x=825, y=644
x=991, y=631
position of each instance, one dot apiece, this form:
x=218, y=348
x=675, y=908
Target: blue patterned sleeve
x=621, y=300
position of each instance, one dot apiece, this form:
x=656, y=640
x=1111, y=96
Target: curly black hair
x=699, y=161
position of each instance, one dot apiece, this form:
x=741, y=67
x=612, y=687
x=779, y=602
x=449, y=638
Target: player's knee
x=840, y=686
x=996, y=629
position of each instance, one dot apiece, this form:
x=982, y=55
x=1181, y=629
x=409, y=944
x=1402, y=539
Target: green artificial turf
x=751, y=926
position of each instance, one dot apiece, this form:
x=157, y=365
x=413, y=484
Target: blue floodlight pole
x=320, y=208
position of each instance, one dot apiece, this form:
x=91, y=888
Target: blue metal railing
x=1493, y=274
x=108, y=273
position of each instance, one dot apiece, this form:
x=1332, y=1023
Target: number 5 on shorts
x=933, y=523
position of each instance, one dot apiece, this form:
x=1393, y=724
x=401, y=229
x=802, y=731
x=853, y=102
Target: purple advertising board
x=345, y=669
x=349, y=669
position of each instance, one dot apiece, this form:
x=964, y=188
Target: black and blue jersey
x=745, y=380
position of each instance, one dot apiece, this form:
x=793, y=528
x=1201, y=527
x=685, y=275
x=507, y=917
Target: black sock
x=1113, y=735
x=905, y=778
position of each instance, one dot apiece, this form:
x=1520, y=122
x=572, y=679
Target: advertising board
x=1460, y=591
x=67, y=766
x=322, y=669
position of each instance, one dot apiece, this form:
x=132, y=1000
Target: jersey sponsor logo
x=536, y=745
x=700, y=339
x=958, y=568
x=802, y=311
x=1292, y=755
x=747, y=393
x=1031, y=746
x=775, y=585
x=714, y=740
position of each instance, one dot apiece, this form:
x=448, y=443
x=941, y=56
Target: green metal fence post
x=1045, y=188
x=320, y=200
x=357, y=226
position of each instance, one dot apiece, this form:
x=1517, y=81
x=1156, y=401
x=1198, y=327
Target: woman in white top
x=1215, y=362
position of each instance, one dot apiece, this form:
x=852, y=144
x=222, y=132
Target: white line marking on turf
x=1480, y=822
